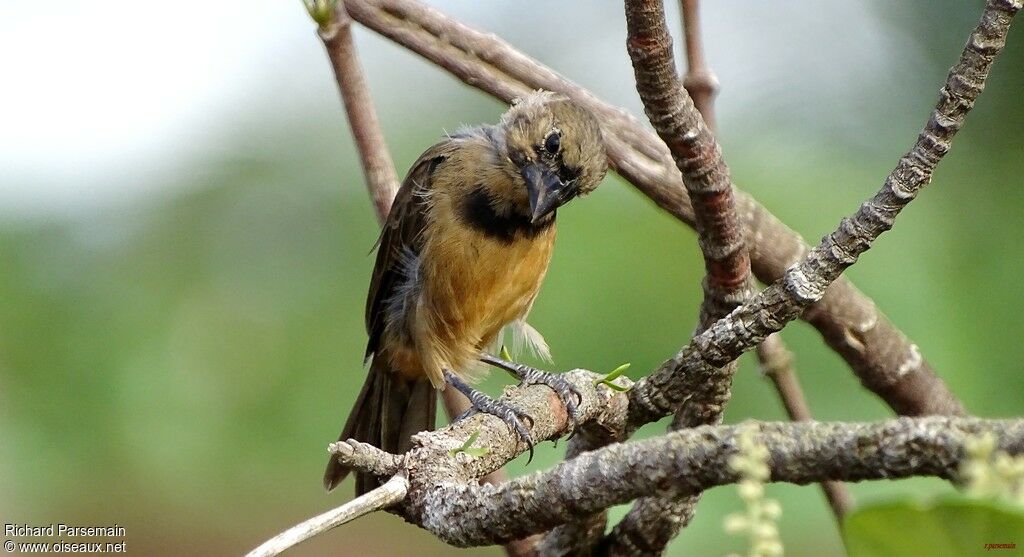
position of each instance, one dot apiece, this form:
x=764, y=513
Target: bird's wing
x=401, y=237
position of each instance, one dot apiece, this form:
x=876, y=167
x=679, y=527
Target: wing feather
x=401, y=236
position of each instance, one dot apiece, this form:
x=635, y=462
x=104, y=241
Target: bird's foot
x=480, y=402
x=527, y=375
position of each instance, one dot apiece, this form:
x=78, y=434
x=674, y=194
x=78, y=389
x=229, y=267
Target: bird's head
x=556, y=149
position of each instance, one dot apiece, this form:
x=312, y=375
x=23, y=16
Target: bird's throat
x=480, y=212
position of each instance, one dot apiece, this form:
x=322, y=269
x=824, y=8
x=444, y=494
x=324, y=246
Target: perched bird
x=461, y=256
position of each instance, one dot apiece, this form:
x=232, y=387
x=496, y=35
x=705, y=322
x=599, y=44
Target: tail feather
x=388, y=412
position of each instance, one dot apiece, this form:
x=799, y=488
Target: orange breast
x=473, y=286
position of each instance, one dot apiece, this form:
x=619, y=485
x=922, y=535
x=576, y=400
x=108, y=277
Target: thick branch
x=654, y=521
x=693, y=460
x=455, y=404
x=696, y=154
x=659, y=393
x=581, y=536
x=886, y=361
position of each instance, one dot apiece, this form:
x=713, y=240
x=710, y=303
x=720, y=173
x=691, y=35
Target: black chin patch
x=478, y=213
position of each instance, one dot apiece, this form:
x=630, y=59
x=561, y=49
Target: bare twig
x=653, y=521
x=700, y=82
x=379, y=170
x=393, y=491
x=777, y=364
x=885, y=360
x=805, y=283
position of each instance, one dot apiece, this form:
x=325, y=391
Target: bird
x=461, y=258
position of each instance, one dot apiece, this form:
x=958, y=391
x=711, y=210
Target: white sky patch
x=102, y=101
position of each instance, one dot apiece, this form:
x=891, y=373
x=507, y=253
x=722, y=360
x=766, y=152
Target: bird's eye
x=553, y=143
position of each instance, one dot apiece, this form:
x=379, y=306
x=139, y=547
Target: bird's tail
x=388, y=412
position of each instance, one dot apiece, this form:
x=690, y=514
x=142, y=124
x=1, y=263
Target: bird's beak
x=546, y=190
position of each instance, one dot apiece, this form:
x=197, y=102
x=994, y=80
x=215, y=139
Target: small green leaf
x=504, y=354
x=468, y=448
x=607, y=380
x=950, y=526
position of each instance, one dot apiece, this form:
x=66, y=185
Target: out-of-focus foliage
x=178, y=365
x=951, y=527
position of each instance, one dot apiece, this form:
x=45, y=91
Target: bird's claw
x=570, y=396
x=512, y=416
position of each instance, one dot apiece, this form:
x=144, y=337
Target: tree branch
x=378, y=168
x=777, y=365
x=885, y=360
x=446, y=498
x=659, y=393
x=700, y=82
x=654, y=521
x=393, y=491
x=455, y=404
x=581, y=535
x=692, y=460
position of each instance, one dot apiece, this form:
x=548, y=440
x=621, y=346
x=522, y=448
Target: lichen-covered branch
x=653, y=521
x=885, y=360
x=581, y=535
x=455, y=404
x=805, y=283
x=444, y=496
x=693, y=460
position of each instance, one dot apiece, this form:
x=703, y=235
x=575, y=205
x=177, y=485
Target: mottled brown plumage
x=462, y=255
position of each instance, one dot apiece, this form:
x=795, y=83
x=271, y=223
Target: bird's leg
x=496, y=407
x=533, y=376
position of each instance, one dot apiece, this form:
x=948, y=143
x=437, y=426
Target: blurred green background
x=181, y=303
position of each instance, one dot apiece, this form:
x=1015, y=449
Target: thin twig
x=378, y=168
x=776, y=363
x=700, y=82
x=885, y=360
x=393, y=491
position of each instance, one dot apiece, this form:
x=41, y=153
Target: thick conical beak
x=545, y=189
